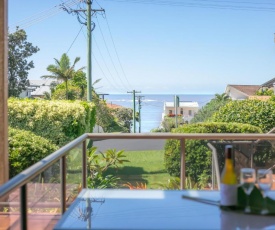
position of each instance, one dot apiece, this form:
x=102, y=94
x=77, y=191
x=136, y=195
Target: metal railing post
x=213, y=173
x=84, y=165
x=215, y=157
x=23, y=207
x=63, y=183
x=182, y=163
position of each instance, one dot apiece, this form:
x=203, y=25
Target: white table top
x=154, y=209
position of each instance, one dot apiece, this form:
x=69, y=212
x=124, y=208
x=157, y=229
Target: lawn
x=143, y=167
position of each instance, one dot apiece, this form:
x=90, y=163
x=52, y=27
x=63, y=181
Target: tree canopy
x=63, y=71
x=19, y=50
x=253, y=112
x=206, y=112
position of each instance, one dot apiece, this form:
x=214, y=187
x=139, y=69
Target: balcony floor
x=43, y=212
x=35, y=221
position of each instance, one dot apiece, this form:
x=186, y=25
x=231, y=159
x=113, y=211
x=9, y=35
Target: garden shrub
x=205, y=113
x=99, y=163
x=265, y=92
x=198, y=160
x=123, y=117
x=253, y=112
x=58, y=121
x=26, y=149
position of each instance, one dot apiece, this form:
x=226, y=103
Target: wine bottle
x=228, y=181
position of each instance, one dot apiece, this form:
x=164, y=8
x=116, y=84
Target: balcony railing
x=57, y=161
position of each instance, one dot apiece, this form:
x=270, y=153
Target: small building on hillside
x=37, y=88
x=269, y=84
x=186, y=110
x=241, y=92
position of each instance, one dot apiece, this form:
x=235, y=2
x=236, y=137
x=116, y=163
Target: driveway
x=129, y=145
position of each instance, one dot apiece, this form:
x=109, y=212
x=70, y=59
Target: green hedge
x=198, y=160
x=253, y=112
x=25, y=149
x=58, y=121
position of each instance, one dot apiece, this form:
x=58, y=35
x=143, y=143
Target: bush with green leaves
x=74, y=93
x=206, y=112
x=265, y=92
x=58, y=121
x=198, y=154
x=98, y=164
x=253, y=112
x=26, y=149
x=124, y=118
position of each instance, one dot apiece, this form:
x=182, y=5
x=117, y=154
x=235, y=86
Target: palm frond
x=96, y=81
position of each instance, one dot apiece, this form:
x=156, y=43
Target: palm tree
x=62, y=71
x=221, y=97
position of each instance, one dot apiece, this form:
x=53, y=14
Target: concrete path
x=129, y=145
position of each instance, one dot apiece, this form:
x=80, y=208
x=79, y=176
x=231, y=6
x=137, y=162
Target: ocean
x=152, y=105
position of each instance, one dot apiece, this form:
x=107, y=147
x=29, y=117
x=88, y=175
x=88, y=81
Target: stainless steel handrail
x=33, y=171
x=194, y=136
x=21, y=180
x=39, y=167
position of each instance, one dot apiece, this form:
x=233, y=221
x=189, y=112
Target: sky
x=156, y=46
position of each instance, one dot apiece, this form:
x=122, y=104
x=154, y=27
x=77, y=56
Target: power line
x=84, y=16
x=104, y=60
x=38, y=17
x=202, y=1
x=104, y=73
x=116, y=51
x=98, y=3
x=206, y=4
x=75, y=39
x=101, y=69
x=110, y=54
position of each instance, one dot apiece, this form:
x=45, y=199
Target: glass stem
x=264, y=201
x=264, y=210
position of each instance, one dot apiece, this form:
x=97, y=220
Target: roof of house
x=247, y=89
x=269, y=83
x=114, y=106
x=41, y=82
x=41, y=90
x=183, y=104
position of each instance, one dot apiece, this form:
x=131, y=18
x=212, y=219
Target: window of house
x=190, y=112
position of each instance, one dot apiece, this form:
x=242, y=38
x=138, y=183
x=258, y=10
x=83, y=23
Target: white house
x=37, y=88
x=241, y=92
x=186, y=110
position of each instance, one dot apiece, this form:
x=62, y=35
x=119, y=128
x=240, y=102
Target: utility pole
x=134, y=109
x=176, y=104
x=139, y=113
x=90, y=27
x=102, y=94
x=89, y=50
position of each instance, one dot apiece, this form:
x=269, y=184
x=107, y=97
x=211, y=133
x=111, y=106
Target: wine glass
x=264, y=180
x=248, y=179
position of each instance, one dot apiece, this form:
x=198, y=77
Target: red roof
x=114, y=106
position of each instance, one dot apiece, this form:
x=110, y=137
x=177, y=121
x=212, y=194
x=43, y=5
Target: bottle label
x=228, y=195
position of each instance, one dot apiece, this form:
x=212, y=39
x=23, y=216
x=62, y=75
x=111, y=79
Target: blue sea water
x=152, y=105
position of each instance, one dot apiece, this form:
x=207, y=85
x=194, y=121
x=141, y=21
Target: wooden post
x=4, y=162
